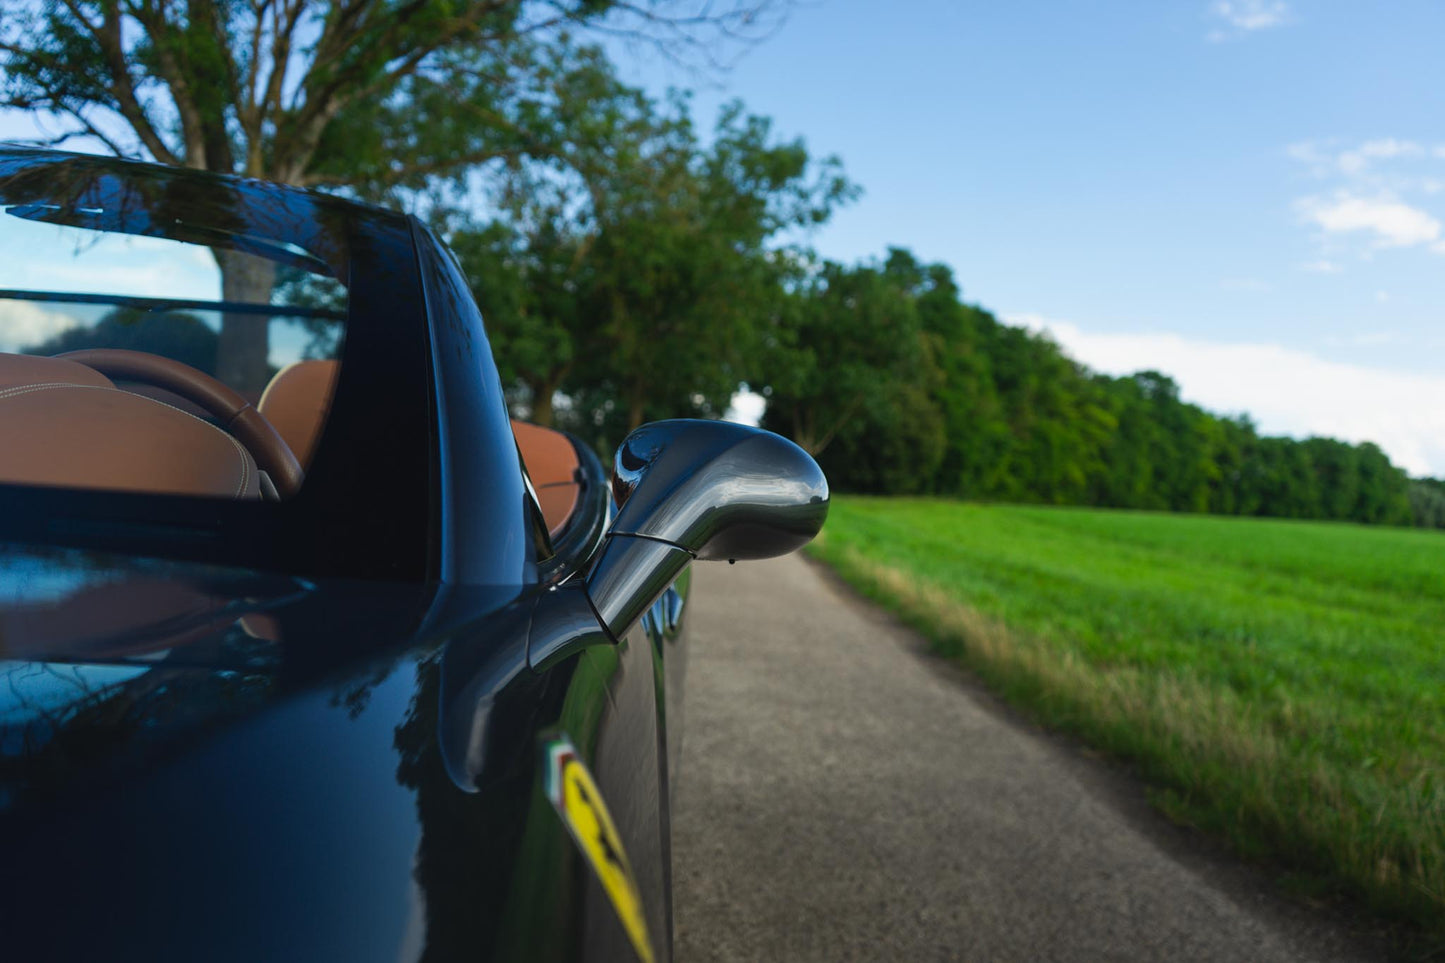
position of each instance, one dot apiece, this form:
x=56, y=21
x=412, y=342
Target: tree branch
x=322, y=104
x=153, y=19
x=89, y=129
x=122, y=87
x=283, y=28
x=249, y=106
x=849, y=409
x=397, y=174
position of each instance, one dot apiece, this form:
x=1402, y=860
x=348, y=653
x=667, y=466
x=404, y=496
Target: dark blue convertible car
x=307, y=651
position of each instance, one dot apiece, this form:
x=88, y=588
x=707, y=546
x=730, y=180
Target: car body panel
x=248, y=798
x=339, y=756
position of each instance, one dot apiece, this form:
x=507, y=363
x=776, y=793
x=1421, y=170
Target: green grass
x=1280, y=684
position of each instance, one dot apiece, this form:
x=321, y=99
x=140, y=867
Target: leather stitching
x=241, y=452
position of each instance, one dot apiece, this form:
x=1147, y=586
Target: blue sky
x=1247, y=195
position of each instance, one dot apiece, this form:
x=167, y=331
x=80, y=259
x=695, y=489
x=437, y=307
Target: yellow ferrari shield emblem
x=575, y=795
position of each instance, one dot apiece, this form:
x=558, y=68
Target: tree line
x=655, y=270
x=898, y=386
x=965, y=405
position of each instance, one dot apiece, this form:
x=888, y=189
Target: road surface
x=844, y=796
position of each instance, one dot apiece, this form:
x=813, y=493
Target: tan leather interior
x=221, y=402
x=296, y=402
x=552, y=465
x=62, y=424
x=24, y=369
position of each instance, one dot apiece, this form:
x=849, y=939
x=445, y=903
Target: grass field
x=1278, y=683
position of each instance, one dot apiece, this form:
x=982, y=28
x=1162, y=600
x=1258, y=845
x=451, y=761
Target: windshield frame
x=366, y=507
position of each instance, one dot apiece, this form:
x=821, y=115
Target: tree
x=528, y=289
x=960, y=384
x=255, y=86
x=646, y=253
x=370, y=94
x=1427, y=502
x=846, y=343
x=1384, y=497
x=686, y=280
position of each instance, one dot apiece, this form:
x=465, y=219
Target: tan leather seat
x=552, y=465
x=63, y=424
x=297, y=399
x=296, y=402
x=24, y=369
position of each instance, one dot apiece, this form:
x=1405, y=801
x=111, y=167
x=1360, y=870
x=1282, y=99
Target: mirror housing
x=690, y=489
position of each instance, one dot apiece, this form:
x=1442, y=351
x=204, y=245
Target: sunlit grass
x=1281, y=684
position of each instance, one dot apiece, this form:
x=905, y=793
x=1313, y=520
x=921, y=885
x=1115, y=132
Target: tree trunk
x=243, y=347
x=542, y=404
x=634, y=409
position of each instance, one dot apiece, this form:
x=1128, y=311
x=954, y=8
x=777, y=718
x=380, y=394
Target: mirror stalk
x=629, y=576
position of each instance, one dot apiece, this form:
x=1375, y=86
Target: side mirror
x=700, y=489
x=686, y=489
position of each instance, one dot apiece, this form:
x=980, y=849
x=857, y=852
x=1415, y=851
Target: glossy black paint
x=700, y=489
x=718, y=490
x=227, y=739
x=298, y=799
x=485, y=532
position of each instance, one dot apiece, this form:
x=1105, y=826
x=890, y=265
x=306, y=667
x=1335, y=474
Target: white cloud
x=1322, y=266
x=1355, y=161
x=1247, y=16
x=1382, y=296
x=1312, y=153
x=1382, y=196
x=23, y=323
x=1392, y=222
x=1326, y=159
x=1286, y=391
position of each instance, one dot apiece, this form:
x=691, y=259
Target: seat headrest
x=90, y=436
x=296, y=402
x=552, y=465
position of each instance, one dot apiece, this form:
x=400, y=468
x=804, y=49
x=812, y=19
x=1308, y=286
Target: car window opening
x=147, y=349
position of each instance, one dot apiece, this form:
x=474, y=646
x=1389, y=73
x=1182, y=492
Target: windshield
x=126, y=301
x=207, y=368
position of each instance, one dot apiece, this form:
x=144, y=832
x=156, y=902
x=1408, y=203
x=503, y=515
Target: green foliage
x=385, y=99
x=1280, y=682
x=1427, y=502
x=647, y=253
x=845, y=359
x=898, y=386
x=372, y=94
x=637, y=268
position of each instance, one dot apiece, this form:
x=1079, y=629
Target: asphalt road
x=844, y=796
